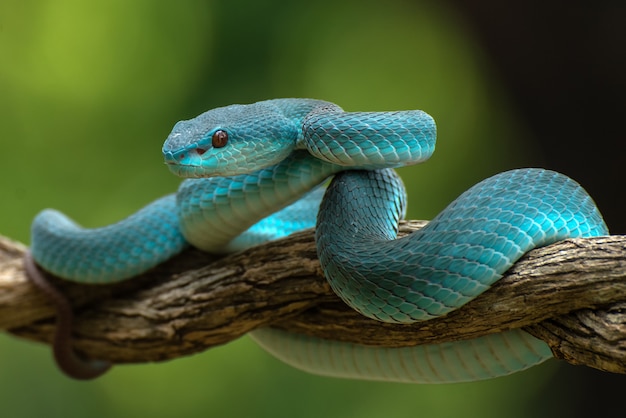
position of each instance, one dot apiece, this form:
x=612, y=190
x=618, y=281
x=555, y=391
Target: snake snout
x=187, y=156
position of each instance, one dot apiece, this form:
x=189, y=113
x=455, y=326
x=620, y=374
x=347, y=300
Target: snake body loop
x=251, y=165
x=456, y=256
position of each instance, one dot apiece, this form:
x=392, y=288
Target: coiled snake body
x=248, y=162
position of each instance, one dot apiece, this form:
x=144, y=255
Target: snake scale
x=256, y=172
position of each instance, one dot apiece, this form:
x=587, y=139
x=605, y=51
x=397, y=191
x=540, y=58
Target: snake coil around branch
x=254, y=173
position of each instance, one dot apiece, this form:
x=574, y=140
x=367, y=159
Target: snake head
x=231, y=140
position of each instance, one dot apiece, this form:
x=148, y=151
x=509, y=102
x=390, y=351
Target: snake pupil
x=220, y=138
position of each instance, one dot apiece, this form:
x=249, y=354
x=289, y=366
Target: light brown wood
x=571, y=294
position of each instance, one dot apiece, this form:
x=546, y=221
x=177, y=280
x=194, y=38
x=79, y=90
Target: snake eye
x=219, y=139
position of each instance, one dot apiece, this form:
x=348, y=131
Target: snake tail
x=66, y=358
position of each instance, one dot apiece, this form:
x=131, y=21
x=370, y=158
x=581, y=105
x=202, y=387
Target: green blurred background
x=88, y=93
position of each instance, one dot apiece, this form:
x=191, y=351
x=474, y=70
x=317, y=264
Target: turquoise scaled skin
x=247, y=162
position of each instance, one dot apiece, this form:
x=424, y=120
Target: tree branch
x=571, y=294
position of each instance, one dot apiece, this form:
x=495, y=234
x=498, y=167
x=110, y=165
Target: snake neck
x=326, y=140
x=214, y=211
x=369, y=140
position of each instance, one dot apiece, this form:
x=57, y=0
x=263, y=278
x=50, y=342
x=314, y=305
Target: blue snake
x=257, y=172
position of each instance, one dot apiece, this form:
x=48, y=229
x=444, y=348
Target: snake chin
x=185, y=171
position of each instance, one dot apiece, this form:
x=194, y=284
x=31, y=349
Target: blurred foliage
x=88, y=92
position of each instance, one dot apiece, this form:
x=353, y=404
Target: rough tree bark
x=571, y=294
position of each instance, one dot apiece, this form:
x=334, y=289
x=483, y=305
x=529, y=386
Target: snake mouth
x=192, y=162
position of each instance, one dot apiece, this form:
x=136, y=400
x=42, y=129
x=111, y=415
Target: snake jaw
x=196, y=161
x=188, y=170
